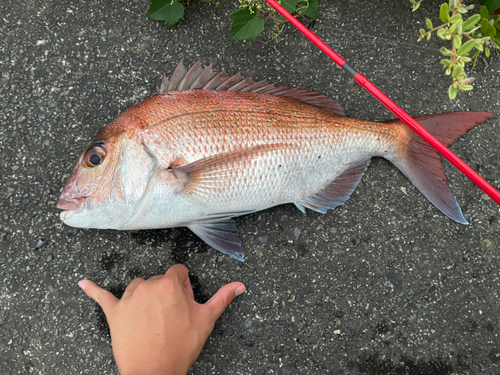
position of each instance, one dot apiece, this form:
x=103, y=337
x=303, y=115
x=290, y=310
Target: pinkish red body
x=199, y=157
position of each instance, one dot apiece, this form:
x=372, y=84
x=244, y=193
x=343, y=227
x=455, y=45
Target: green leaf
x=246, y=25
x=452, y=92
x=312, y=10
x=479, y=46
x=476, y=54
x=466, y=87
x=455, y=26
x=166, y=10
x=487, y=52
x=458, y=41
x=429, y=36
x=444, y=12
x=471, y=22
x=445, y=51
x=455, y=18
x=441, y=33
x=428, y=22
x=484, y=12
x=290, y=6
x=415, y=7
x=466, y=48
x=446, y=63
x=457, y=72
x=492, y=5
x=413, y=2
x=487, y=29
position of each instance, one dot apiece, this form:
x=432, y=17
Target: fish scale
x=197, y=158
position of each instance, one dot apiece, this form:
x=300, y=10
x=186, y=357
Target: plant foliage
x=247, y=22
x=481, y=32
x=466, y=36
x=246, y=25
x=169, y=11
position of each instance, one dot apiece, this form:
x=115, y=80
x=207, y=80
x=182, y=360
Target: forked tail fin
x=422, y=165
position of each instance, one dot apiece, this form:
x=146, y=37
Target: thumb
x=104, y=298
x=223, y=298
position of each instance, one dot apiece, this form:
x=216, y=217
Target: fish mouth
x=71, y=205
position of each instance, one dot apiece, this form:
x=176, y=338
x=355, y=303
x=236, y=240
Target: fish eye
x=94, y=156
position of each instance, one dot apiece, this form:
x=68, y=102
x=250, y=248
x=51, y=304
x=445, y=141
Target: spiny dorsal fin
x=199, y=78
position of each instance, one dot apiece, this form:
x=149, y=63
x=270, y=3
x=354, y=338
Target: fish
x=209, y=147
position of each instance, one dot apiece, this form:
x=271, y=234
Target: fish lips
x=71, y=206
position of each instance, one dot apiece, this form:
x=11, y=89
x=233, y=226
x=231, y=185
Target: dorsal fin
x=199, y=78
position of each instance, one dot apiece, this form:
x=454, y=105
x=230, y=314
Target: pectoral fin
x=217, y=172
x=218, y=232
x=339, y=191
x=300, y=207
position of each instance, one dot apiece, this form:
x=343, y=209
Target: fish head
x=114, y=180
x=94, y=187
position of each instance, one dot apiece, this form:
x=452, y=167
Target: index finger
x=104, y=298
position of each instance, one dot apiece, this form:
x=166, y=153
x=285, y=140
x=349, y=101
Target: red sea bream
x=210, y=147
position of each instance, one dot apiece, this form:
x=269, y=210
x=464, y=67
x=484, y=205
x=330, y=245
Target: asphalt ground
x=385, y=284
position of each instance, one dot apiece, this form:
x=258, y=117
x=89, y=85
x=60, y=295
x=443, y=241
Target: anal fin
x=338, y=191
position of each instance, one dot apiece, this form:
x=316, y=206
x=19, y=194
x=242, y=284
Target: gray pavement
x=385, y=284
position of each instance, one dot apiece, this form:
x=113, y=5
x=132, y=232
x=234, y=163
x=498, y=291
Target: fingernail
x=82, y=284
x=240, y=290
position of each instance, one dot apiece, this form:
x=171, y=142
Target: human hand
x=157, y=327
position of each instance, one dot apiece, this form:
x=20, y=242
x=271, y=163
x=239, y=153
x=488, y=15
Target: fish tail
x=421, y=163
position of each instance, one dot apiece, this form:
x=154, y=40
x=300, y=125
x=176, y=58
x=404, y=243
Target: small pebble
x=263, y=239
x=49, y=258
x=41, y=243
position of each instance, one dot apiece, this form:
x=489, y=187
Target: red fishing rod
x=393, y=107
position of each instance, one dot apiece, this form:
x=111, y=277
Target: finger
x=104, y=298
x=223, y=298
x=131, y=287
x=178, y=272
x=181, y=273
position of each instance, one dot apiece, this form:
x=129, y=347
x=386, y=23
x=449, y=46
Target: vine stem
x=431, y=31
